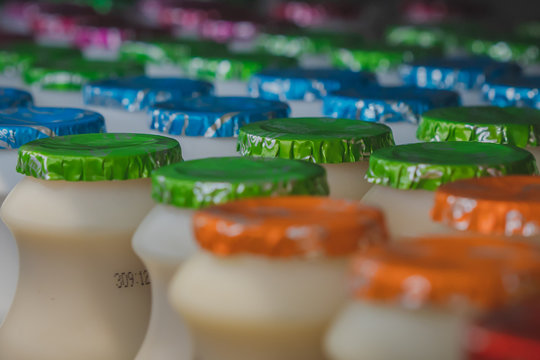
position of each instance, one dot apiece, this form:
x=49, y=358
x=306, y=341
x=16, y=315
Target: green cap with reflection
x=205, y=182
x=21, y=55
x=318, y=140
x=165, y=51
x=430, y=165
x=232, y=66
x=73, y=73
x=97, y=157
x=490, y=124
x=378, y=58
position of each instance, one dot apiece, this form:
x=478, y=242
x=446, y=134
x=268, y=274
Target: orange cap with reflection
x=508, y=205
x=481, y=272
x=289, y=226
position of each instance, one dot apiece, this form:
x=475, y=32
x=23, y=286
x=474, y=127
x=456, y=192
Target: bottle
x=415, y=300
x=19, y=125
x=207, y=126
x=405, y=178
x=82, y=291
x=164, y=240
x=271, y=275
x=341, y=146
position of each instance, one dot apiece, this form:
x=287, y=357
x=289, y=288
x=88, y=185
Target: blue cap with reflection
x=24, y=124
x=387, y=104
x=305, y=84
x=211, y=116
x=10, y=97
x=140, y=92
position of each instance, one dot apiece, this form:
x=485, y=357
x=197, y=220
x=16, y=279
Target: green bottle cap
x=377, y=57
x=72, y=73
x=97, y=157
x=300, y=42
x=165, y=51
x=442, y=36
x=205, y=182
x=501, y=125
x=20, y=56
x=505, y=48
x=319, y=140
x=232, y=66
x=430, y=165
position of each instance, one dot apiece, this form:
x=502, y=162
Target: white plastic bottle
x=406, y=176
x=271, y=275
x=19, y=125
x=414, y=301
x=82, y=291
x=164, y=240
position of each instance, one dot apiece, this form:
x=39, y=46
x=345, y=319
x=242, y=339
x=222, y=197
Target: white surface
x=472, y=98
x=52, y=98
x=163, y=241
x=163, y=70
x=230, y=88
x=372, y=331
x=258, y=308
x=301, y=108
x=13, y=81
x=389, y=78
x=121, y=121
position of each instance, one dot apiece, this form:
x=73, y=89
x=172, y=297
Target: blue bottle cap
x=212, y=116
x=24, y=124
x=13, y=98
x=513, y=91
x=387, y=104
x=455, y=73
x=139, y=93
x=305, y=84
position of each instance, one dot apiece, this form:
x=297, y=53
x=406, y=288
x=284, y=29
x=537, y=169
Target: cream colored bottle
x=405, y=178
x=414, y=301
x=271, y=276
x=164, y=239
x=82, y=292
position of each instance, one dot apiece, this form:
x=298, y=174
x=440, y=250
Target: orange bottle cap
x=480, y=272
x=508, y=205
x=289, y=226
